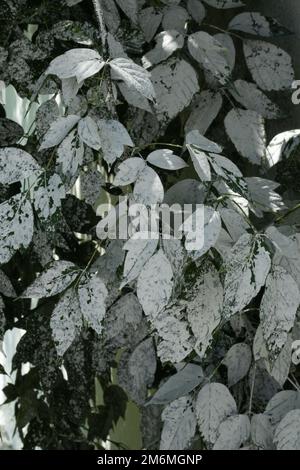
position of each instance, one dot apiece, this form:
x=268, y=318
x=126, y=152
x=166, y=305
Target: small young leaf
x=166, y=160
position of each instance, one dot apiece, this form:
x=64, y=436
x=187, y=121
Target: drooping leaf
x=262, y=196
x=88, y=132
x=247, y=131
x=175, y=342
x=113, y=137
x=148, y=188
x=246, y=271
x=66, y=321
x=138, y=253
x=47, y=195
x=201, y=229
x=200, y=162
x=57, y=277
x=198, y=140
x=135, y=76
x=213, y=405
x=154, y=286
x=205, y=108
x=278, y=308
x=70, y=157
x=58, y=130
x=137, y=369
x=204, y=308
x=238, y=361
x=150, y=20
x=210, y=54
x=270, y=66
x=16, y=226
x=179, y=425
x=92, y=295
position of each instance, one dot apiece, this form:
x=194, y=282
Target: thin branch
x=252, y=390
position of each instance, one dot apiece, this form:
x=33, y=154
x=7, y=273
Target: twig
x=252, y=390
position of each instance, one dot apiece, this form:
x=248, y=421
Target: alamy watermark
x=296, y=94
x=129, y=219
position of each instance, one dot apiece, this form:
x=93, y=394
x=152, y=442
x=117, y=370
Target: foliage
x=153, y=95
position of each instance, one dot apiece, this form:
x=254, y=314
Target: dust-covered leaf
x=92, y=295
x=17, y=165
x=155, y=284
x=246, y=270
x=57, y=277
x=270, y=66
x=66, y=321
